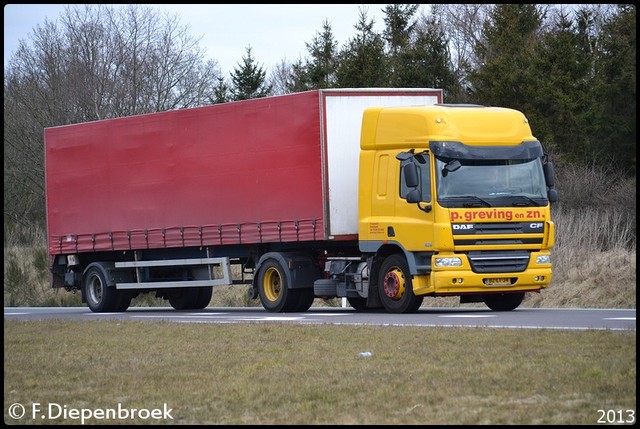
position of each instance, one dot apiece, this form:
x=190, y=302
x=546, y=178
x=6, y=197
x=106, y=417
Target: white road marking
x=468, y=316
x=329, y=315
x=177, y=315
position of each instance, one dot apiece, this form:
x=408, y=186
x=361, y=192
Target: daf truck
x=383, y=197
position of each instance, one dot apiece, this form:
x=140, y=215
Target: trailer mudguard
x=300, y=269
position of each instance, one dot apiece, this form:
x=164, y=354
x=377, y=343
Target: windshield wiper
x=522, y=200
x=469, y=201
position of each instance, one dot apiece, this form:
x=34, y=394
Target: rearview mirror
x=410, y=171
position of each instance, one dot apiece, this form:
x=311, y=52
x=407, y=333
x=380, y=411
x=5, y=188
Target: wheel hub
x=394, y=284
x=272, y=284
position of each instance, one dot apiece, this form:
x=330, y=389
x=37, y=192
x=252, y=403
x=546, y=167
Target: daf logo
x=462, y=226
x=537, y=225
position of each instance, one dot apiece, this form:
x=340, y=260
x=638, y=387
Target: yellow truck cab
x=454, y=201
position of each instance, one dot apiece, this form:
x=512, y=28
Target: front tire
x=358, y=303
x=395, y=286
x=503, y=301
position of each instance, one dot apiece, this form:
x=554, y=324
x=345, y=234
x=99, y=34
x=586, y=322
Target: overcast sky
x=274, y=31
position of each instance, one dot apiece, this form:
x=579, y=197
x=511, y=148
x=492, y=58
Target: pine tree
x=249, y=79
x=426, y=63
x=559, y=104
x=320, y=71
x=220, y=92
x=399, y=26
x=616, y=92
x=397, y=35
x=362, y=62
x=511, y=35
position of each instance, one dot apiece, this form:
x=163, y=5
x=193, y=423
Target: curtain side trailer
x=170, y=202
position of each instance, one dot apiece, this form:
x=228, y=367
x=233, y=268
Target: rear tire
x=305, y=299
x=503, y=301
x=273, y=289
x=124, y=300
x=395, y=286
x=184, y=298
x=100, y=297
x=204, y=297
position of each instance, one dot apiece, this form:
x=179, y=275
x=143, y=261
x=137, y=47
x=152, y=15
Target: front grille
x=499, y=262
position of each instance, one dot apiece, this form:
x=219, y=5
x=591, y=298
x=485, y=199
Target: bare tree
x=280, y=77
x=463, y=26
x=96, y=62
x=135, y=60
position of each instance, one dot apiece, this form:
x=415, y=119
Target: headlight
x=543, y=259
x=448, y=262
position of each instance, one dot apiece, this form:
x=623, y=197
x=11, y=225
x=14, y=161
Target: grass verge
x=275, y=373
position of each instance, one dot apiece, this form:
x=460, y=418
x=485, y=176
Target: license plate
x=501, y=281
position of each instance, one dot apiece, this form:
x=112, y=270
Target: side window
x=424, y=178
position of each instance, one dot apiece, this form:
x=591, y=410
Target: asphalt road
x=526, y=318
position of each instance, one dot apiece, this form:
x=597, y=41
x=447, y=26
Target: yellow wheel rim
x=272, y=284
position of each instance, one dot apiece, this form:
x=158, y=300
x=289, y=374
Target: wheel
x=395, y=286
x=503, y=301
x=100, y=297
x=185, y=298
x=204, y=297
x=305, y=299
x=124, y=300
x=273, y=289
x=358, y=303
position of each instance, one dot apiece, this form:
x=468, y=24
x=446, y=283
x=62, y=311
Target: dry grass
x=280, y=373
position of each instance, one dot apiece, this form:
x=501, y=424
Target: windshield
x=503, y=183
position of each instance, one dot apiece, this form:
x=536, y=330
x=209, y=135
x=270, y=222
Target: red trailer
x=157, y=202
